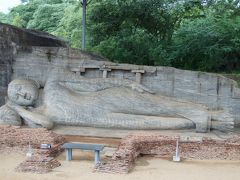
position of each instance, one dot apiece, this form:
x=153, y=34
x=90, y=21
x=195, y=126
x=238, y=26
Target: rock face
x=25, y=37
x=12, y=39
x=79, y=88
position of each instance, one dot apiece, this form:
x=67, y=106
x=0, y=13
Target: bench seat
x=95, y=147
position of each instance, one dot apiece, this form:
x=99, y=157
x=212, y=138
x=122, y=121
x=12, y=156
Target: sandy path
x=147, y=168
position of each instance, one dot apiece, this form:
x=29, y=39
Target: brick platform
x=38, y=164
x=19, y=138
x=151, y=143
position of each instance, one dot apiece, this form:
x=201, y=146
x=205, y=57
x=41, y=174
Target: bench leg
x=68, y=154
x=97, y=156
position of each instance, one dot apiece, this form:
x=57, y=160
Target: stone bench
x=95, y=147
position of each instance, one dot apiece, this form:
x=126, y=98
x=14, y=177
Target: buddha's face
x=23, y=92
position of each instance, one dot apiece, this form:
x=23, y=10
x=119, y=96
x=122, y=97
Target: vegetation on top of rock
x=189, y=34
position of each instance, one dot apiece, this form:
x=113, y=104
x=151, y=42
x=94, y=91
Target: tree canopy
x=189, y=34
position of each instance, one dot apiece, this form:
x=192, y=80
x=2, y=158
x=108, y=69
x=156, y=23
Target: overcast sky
x=6, y=4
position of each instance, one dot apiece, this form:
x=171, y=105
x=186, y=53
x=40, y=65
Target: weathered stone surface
x=27, y=99
x=117, y=98
x=12, y=39
x=7, y=52
x=70, y=99
x=9, y=116
x=213, y=91
x=26, y=37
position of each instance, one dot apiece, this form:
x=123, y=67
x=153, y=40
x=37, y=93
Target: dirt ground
x=150, y=168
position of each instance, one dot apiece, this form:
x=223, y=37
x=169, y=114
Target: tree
x=69, y=27
x=211, y=43
x=24, y=12
x=4, y=18
x=18, y=21
x=131, y=24
x=47, y=17
x=190, y=34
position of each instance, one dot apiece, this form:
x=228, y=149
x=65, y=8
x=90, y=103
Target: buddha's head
x=23, y=92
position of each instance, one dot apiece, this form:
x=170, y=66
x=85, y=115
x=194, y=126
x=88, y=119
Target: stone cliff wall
x=7, y=51
x=26, y=53
x=214, y=91
x=11, y=40
x=26, y=37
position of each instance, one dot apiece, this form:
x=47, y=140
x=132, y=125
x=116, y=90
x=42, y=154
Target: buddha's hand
x=14, y=106
x=140, y=88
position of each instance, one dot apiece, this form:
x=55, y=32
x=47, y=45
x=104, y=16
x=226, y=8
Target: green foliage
x=18, y=21
x=235, y=76
x=190, y=34
x=47, y=17
x=133, y=31
x=133, y=48
x=4, y=18
x=209, y=44
x=24, y=12
x=69, y=28
x=157, y=17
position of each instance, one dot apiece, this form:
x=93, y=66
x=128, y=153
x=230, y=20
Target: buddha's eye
x=27, y=96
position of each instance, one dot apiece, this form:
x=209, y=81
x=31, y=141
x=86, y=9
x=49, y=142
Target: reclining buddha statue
x=69, y=99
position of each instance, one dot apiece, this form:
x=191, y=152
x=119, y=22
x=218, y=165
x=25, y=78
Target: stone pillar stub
x=82, y=69
x=79, y=70
x=105, y=71
x=138, y=75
